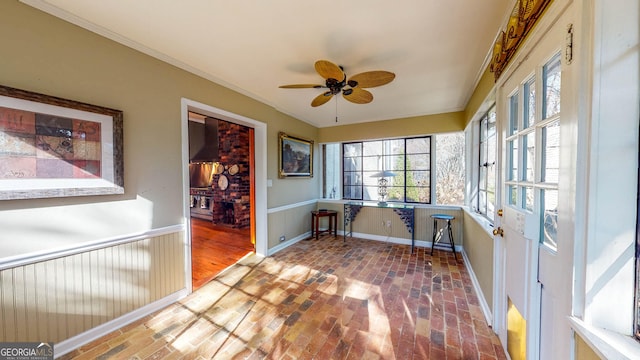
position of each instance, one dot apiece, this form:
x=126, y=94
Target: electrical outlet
x=388, y=223
x=282, y=238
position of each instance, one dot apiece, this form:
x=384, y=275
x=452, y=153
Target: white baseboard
x=488, y=315
x=396, y=240
x=285, y=244
x=97, y=332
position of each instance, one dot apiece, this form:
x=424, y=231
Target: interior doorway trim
x=260, y=171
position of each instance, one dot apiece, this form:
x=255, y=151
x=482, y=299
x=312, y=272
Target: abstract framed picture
x=295, y=156
x=53, y=147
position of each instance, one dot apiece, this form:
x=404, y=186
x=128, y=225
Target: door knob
x=498, y=231
x=500, y=212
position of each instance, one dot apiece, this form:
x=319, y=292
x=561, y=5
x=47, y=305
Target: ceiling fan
x=336, y=81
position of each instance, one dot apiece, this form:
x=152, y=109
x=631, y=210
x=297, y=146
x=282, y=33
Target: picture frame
x=295, y=156
x=55, y=147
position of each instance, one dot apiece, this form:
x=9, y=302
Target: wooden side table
x=315, y=223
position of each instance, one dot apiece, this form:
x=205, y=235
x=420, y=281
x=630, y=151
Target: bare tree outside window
x=450, y=169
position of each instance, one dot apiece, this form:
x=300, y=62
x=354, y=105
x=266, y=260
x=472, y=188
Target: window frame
x=483, y=148
x=431, y=174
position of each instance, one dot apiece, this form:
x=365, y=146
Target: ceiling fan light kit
x=352, y=89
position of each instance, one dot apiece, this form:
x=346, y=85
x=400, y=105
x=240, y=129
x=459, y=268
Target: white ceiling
x=436, y=48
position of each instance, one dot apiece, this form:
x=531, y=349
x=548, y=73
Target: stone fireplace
x=232, y=205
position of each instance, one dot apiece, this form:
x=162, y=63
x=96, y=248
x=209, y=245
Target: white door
x=536, y=294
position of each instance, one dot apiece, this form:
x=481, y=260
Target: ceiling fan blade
x=301, y=86
x=329, y=70
x=322, y=99
x=371, y=79
x=358, y=96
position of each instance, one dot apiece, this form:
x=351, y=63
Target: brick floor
x=318, y=299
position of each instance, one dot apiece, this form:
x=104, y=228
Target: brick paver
x=319, y=299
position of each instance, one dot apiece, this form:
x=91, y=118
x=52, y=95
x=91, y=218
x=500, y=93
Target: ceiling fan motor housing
x=335, y=86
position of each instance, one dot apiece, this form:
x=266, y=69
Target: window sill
x=606, y=344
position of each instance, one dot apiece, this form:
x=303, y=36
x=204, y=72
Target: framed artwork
x=295, y=156
x=53, y=147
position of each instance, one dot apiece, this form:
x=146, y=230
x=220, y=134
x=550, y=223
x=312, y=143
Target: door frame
x=553, y=13
x=259, y=212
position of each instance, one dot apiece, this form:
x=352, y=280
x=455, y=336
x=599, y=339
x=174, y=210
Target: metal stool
x=437, y=239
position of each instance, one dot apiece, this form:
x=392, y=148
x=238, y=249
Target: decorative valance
x=523, y=17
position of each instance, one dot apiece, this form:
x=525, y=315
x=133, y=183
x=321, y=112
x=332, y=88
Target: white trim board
x=285, y=244
x=31, y=258
x=260, y=166
x=291, y=206
x=99, y=331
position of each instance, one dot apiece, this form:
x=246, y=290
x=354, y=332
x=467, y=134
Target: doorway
x=237, y=197
x=220, y=183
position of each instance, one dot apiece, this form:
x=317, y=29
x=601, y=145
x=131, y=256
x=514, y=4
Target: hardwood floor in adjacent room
x=214, y=248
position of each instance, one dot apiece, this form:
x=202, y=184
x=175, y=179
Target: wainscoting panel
x=373, y=221
x=57, y=299
x=292, y=222
x=478, y=245
x=424, y=223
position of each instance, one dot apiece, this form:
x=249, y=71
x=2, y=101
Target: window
x=331, y=173
x=487, y=167
x=351, y=169
x=409, y=161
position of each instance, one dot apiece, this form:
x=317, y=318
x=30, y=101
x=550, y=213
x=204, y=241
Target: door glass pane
x=512, y=146
x=512, y=194
x=513, y=114
x=550, y=152
x=551, y=87
x=529, y=144
x=528, y=198
x=530, y=103
x=549, y=217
